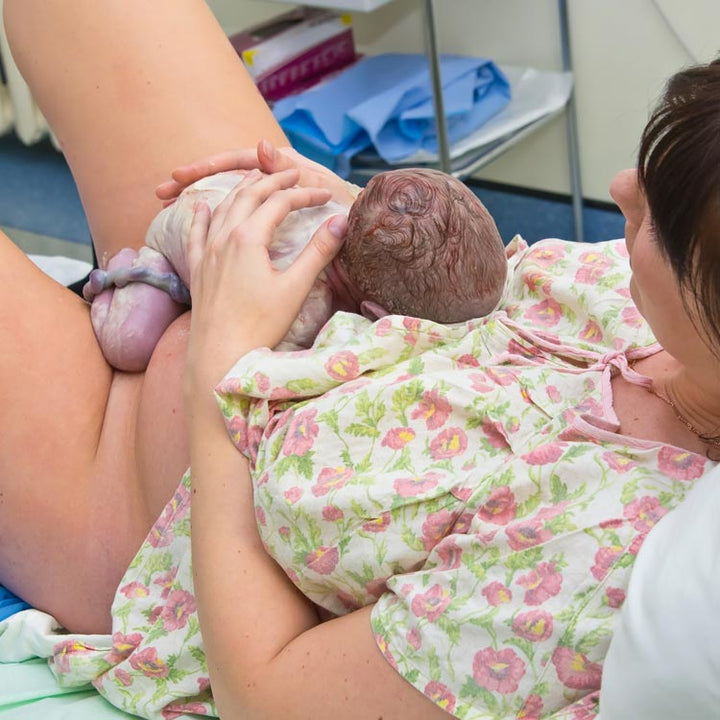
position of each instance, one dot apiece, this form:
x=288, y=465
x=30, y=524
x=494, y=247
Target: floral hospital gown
x=469, y=480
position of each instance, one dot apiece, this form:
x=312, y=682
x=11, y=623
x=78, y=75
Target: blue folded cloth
x=386, y=101
x=10, y=604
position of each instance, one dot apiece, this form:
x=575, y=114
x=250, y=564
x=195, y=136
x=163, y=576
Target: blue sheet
x=386, y=101
x=10, y=604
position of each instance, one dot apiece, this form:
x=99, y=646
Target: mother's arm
x=268, y=656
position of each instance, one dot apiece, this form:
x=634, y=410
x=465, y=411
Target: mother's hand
x=266, y=158
x=240, y=301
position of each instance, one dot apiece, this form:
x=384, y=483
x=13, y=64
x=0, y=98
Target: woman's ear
x=372, y=311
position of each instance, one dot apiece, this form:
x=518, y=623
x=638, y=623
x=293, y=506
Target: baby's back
x=129, y=320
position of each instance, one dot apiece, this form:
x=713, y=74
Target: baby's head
x=420, y=243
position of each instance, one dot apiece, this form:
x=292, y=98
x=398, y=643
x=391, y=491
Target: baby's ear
x=372, y=311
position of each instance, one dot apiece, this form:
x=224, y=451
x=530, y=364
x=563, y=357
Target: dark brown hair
x=679, y=172
x=421, y=243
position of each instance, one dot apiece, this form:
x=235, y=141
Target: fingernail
x=338, y=225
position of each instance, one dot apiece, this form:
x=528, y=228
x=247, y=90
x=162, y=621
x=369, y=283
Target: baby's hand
x=266, y=158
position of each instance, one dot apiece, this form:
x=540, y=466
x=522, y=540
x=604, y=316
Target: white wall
x=622, y=52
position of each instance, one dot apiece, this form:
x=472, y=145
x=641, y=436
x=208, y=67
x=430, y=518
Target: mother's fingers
x=258, y=226
x=322, y=248
x=197, y=236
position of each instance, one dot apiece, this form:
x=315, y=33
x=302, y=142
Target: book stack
x=296, y=50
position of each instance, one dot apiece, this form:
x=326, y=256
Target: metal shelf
x=352, y=5
x=475, y=158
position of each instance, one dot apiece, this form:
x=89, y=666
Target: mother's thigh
x=132, y=89
x=54, y=386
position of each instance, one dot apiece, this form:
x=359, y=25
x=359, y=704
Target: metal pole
x=434, y=60
x=572, y=134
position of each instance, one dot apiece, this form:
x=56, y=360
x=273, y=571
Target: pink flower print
x=526, y=351
x=527, y=533
x=545, y=454
x=177, y=710
x=301, y=433
x=433, y=408
x=414, y=638
x=281, y=393
x=154, y=614
x=546, y=313
x=237, y=427
x=323, y=560
x=449, y=443
x=592, y=332
x=179, y=606
x=615, y=597
x=466, y=361
x=436, y=527
x=631, y=317
x=376, y=588
x=554, y=394
x=541, y=583
x=680, y=464
x=284, y=532
x=440, y=694
x=122, y=646
x=293, y=494
x=412, y=325
x=203, y=685
x=262, y=382
x=500, y=507
x=479, y=383
x=343, y=366
x=383, y=327
x=497, y=594
x=432, y=603
x=644, y=513
x=532, y=709
x=149, y=664
x=605, y=558
x=331, y=478
x=332, y=513
x=414, y=486
x=450, y=554
x=619, y=463
x=589, y=275
x=535, y=625
x=135, y=590
x=260, y=516
x=464, y=522
x=64, y=651
x=379, y=524
x=385, y=650
x=546, y=255
x=502, y=376
x=398, y=438
x=537, y=282
x=123, y=677
x=575, y=670
x=165, y=581
x=495, y=434
x=498, y=671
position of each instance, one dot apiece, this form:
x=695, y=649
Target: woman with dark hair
x=460, y=507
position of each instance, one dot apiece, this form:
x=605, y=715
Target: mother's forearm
x=248, y=609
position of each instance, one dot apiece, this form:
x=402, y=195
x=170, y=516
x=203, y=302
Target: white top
x=664, y=659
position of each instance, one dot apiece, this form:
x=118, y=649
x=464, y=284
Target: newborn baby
x=418, y=243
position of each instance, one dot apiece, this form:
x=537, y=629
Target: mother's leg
x=132, y=89
x=54, y=390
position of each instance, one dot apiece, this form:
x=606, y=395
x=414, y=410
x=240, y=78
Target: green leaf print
x=471, y=689
x=304, y=386
x=592, y=639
